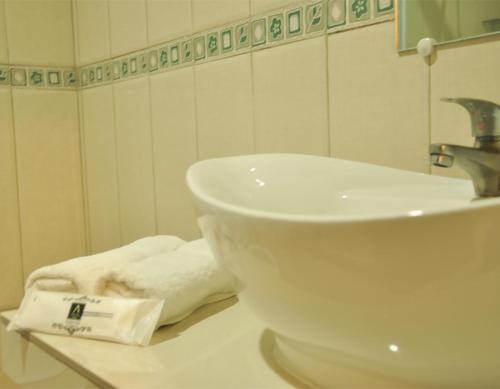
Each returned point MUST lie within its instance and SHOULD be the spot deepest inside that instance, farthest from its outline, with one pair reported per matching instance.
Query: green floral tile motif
(359, 10)
(108, 72)
(124, 68)
(163, 57)
(153, 60)
(199, 48)
(133, 65)
(294, 23)
(187, 51)
(84, 77)
(315, 17)
(258, 32)
(276, 28)
(142, 63)
(36, 77)
(99, 75)
(384, 6)
(116, 70)
(92, 76)
(54, 78)
(18, 77)
(174, 54)
(226, 40)
(4, 76)
(336, 13)
(70, 79)
(242, 36)
(212, 44)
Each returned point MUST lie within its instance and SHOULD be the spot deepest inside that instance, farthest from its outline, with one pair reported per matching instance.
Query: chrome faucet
(482, 161)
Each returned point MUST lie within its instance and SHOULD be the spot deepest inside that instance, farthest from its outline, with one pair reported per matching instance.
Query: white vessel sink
(392, 272)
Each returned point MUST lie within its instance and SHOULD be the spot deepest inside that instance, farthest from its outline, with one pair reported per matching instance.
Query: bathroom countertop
(222, 345)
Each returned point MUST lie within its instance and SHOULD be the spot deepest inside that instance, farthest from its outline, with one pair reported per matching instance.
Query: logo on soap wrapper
(76, 311)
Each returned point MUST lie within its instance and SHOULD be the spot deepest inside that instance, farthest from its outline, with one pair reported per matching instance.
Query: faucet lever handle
(485, 115)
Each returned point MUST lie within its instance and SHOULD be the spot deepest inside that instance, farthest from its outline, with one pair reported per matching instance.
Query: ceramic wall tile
(290, 86)
(210, 13)
(467, 70)
(168, 19)
(260, 6)
(92, 29)
(135, 160)
(99, 149)
(373, 117)
(11, 277)
(40, 32)
(4, 54)
(174, 150)
(298, 21)
(128, 25)
(49, 174)
(224, 107)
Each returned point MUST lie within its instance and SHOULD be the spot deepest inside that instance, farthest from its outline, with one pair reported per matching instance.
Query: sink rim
(196, 189)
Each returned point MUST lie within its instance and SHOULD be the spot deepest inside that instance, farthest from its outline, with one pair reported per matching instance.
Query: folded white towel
(186, 278)
(81, 275)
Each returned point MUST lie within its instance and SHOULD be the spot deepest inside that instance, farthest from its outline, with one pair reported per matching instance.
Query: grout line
(429, 114)
(110, 40)
(16, 164)
(18, 184)
(195, 99)
(153, 164)
(146, 16)
(83, 176)
(74, 30)
(4, 6)
(109, 31)
(117, 170)
(254, 115)
(115, 136)
(81, 139)
(83, 159)
(328, 98)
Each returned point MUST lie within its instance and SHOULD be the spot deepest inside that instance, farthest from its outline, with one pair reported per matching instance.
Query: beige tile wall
(378, 100)
(91, 31)
(168, 19)
(258, 6)
(210, 13)
(11, 271)
(348, 95)
(4, 54)
(134, 150)
(49, 176)
(41, 199)
(174, 150)
(224, 111)
(99, 141)
(127, 20)
(291, 98)
(40, 32)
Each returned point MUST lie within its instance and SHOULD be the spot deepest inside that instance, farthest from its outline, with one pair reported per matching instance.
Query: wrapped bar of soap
(122, 320)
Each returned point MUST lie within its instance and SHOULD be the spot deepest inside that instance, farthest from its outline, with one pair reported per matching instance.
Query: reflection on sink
(359, 265)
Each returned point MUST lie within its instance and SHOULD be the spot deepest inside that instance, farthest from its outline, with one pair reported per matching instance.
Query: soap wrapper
(123, 320)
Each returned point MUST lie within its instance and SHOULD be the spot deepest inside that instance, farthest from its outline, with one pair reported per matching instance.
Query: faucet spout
(481, 163)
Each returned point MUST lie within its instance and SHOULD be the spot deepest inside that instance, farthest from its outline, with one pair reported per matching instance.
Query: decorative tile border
(282, 26)
(297, 22)
(38, 77)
